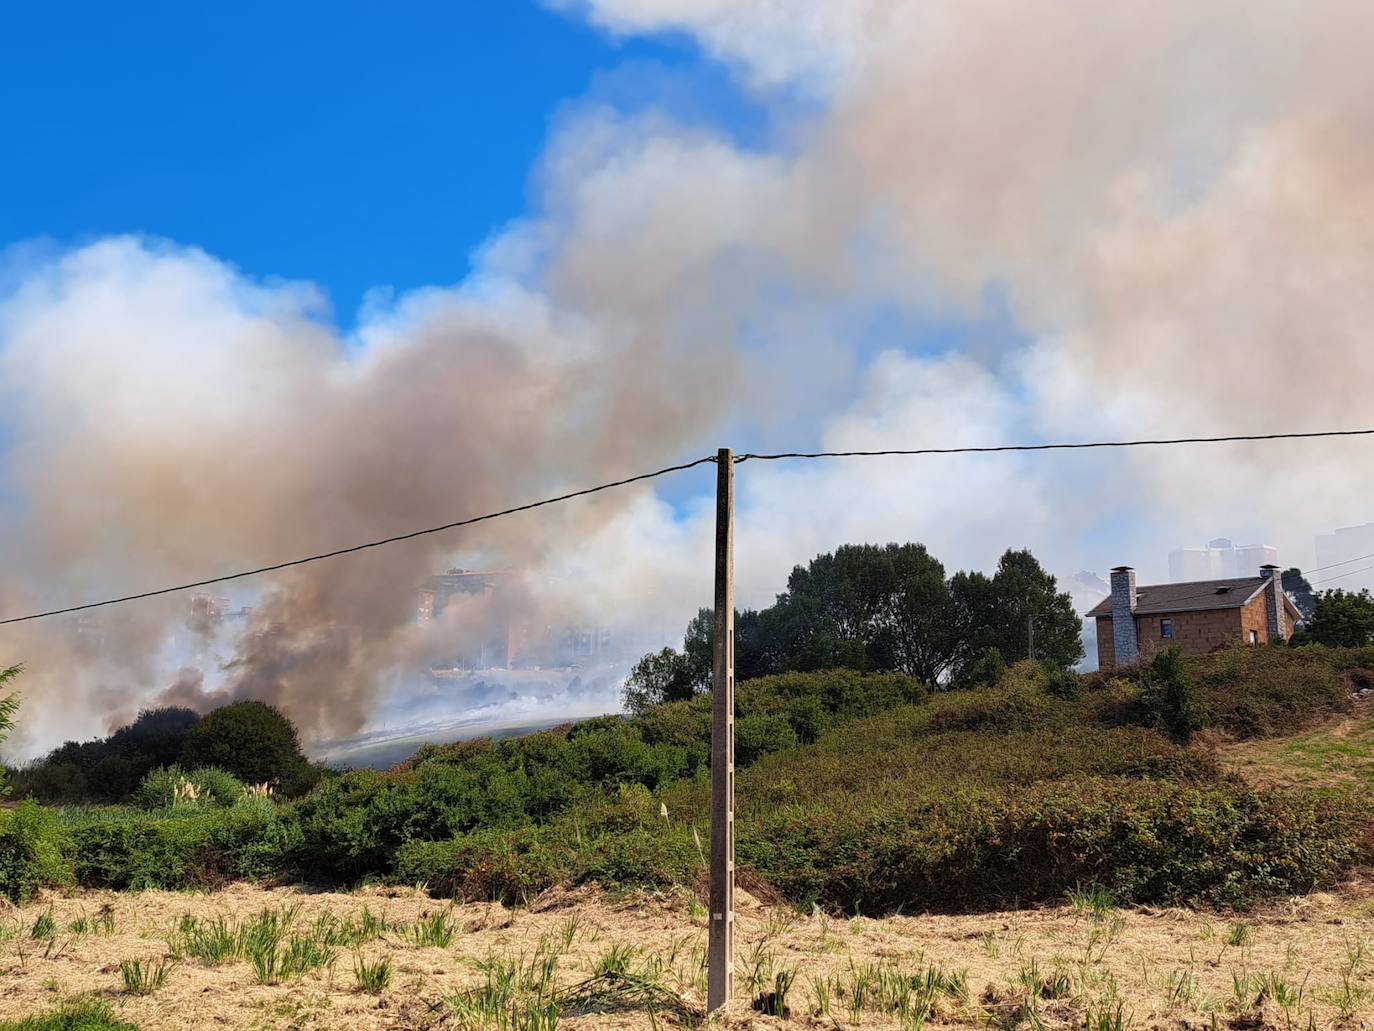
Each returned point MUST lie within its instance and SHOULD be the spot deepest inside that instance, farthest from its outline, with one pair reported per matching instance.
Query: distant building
(1220, 558)
(494, 630)
(491, 641)
(207, 609)
(439, 590)
(1351, 547)
(1136, 623)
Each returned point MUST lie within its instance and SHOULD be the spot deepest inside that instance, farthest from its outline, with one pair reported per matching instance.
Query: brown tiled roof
(1193, 596)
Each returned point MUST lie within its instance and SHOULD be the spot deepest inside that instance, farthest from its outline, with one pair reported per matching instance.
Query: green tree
(1027, 594)
(1297, 587)
(1342, 619)
(251, 740)
(870, 606)
(9, 705)
(663, 676)
(157, 734)
(698, 648)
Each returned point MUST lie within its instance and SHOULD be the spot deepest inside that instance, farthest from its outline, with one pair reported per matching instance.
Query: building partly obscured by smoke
(1349, 548)
(490, 630)
(1220, 559)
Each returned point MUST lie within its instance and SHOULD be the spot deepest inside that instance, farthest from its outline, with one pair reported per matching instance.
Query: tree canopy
(884, 608)
(1342, 619)
(1296, 586)
(251, 740)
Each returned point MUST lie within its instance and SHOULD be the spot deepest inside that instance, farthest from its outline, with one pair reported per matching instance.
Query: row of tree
(251, 740)
(1339, 619)
(879, 607)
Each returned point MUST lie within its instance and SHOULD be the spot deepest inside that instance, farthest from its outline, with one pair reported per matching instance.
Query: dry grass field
(637, 963)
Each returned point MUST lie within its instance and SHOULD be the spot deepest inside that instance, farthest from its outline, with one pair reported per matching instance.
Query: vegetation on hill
(856, 791)
(251, 740)
(879, 608)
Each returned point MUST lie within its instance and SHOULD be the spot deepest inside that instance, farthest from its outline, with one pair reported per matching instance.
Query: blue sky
(352, 144)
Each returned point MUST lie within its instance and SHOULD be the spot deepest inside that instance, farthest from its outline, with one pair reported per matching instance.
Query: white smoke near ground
(1169, 204)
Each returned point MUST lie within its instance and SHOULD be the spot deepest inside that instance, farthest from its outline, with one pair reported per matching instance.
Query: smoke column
(1138, 219)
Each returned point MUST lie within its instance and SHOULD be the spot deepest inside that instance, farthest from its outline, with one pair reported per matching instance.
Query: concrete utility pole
(1030, 636)
(721, 940)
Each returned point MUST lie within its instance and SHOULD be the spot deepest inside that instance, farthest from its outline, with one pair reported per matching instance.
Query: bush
(989, 669)
(166, 787)
(1171, 695)
(206, 847)
(1148, 842)
(648, 857)
(756, 736)
(251, 740)
(509, 866)
(1062, 683)
(158, 735)
(32, 852)
(109, 769)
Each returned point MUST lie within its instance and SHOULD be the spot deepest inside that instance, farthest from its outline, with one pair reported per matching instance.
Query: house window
(1254, 637)
(1166, 628)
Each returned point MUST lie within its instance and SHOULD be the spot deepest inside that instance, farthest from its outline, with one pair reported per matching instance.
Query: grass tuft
(373, 977)
(143, 977)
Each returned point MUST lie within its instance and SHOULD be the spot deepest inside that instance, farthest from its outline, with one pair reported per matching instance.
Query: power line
(362, 547)
(1333, 565)
(664, 472)
(1339, 576)
(1056, 447)
(1211, 591)
(1304, 572)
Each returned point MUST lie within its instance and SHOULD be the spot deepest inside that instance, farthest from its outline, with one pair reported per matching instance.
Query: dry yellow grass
(1166, 968)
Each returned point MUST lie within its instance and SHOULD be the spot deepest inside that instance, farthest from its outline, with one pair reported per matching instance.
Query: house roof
(1193, 596)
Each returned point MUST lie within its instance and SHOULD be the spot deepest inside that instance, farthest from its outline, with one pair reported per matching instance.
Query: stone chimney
(1125, 643)
(1275, 615)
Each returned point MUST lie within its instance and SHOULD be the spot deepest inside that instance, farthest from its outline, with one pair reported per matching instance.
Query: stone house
(1136, 623)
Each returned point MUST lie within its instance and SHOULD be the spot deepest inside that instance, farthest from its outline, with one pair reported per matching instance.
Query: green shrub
(1171, 695)
(503, 865)
(1062, 683)
(649, 857)
(989, 669)
(854, 790)
(251, 740)
(165, 787)
(33, 852)
(756, 736)
(199, 847)
(1148, 842)
(50, 782)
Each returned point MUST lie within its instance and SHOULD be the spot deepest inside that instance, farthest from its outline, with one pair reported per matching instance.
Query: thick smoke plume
(966, 222)
(172, 420)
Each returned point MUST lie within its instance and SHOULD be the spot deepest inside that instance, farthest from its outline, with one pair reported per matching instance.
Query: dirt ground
(1305, 964)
